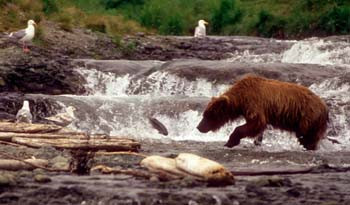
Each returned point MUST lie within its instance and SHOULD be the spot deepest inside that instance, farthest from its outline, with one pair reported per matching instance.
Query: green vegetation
(269, 25)
(267, 18)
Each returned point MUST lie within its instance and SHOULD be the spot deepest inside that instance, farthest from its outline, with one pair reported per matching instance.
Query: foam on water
(318, 51)
(337, 95)
(156, 84)
(248, 57)
(109, 88)
(105, 83)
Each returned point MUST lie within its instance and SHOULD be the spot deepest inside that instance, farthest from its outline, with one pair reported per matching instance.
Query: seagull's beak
(206, 22)
(35, 24)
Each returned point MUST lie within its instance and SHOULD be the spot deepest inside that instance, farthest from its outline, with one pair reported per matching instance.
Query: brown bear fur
(262, 101)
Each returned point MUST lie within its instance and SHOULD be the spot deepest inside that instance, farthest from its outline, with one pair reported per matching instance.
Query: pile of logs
(41, 135)
(46, 135)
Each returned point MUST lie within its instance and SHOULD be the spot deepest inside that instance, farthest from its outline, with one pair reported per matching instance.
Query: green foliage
(3, 2)
(269, 25)
(225, 15)
(298, 23)
(50, 6)
(152, 15)
(268, 18)
(113, 4)
(313, 5)
(128, 49)
(39, 37)
(336, 20)
(172, 25)
(157, 15)
(97, 26)
(66, 23)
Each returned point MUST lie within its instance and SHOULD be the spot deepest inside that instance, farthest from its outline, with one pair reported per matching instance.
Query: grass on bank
(267, 18)
(14, 14)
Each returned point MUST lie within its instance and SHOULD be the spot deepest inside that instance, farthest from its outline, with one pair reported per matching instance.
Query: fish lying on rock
(210, 170)
(162, 164)
(186, 164)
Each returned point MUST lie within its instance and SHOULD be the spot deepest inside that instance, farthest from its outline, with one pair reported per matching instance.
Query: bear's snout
(203, 127)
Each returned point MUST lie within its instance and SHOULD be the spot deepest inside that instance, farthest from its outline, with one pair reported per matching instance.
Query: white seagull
(24, 115)
(200, 30)
(25, 35)
(65, 118)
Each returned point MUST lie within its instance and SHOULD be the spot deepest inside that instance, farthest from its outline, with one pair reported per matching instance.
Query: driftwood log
(42, 135)
(95, 144)
(27, 128)
(162, 176)
(15, 165)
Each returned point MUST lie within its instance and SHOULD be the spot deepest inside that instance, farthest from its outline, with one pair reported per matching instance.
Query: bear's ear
(218, 103)
(221, 99)
(225, 98)
(217, 107)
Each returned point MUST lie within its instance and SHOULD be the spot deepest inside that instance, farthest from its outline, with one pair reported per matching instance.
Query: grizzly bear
(263, 102)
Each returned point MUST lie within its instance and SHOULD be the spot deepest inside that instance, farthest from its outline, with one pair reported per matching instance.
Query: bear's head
(218, 112)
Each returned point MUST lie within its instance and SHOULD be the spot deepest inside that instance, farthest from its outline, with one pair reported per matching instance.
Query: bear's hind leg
(251, 128)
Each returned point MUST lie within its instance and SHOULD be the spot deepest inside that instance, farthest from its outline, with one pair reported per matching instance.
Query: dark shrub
(225, 15)
(269, 25)
(50, 6)
(336, 20)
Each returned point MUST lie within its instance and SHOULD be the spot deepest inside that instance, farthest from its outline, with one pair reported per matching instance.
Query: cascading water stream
(120, 104)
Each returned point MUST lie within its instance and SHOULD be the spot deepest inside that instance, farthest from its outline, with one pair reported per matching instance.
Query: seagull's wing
(24, 115)
(18, 34)
(196, 31)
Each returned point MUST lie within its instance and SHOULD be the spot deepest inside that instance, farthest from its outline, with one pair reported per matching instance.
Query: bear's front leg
(251, 128)
(236, 136)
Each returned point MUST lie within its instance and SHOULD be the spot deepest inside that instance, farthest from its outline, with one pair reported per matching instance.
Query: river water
(124, 94)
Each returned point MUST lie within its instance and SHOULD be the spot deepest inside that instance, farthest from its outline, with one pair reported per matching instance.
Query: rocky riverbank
(327, 183)
(50, 69)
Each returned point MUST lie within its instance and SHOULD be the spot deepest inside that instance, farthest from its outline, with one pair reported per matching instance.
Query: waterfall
(318, 51)
(156, 84)
(120, 103)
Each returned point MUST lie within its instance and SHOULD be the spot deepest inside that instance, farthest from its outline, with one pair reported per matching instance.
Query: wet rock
(298, 191)
(209, 48)
(294, 192)
(192, 202)
(39, 171)
(118, 67)
(255, 190)
(41, 178)
(7, 179)
(26, 174)
(60, 162)
(274, 181)
(224, 72)
(45, 73)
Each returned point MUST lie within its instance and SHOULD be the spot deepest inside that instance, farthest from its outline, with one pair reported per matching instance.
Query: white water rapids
(119, 105)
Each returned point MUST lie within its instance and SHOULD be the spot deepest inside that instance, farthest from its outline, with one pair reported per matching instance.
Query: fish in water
(156, 124)
(24, 115)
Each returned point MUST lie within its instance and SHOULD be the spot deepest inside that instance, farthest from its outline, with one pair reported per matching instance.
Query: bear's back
(280, 102)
